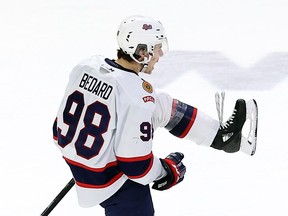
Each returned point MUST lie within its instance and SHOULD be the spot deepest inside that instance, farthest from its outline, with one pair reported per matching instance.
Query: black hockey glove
(175, 171)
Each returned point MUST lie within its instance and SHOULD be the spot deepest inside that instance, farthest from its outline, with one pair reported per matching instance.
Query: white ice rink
(236, 45)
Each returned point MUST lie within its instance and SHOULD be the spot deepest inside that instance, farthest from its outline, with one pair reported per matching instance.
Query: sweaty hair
(121, 54)
(127, 57)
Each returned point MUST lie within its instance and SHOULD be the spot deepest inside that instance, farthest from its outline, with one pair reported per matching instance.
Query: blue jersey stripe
(182, 128)
(136, 167)
(94, 177)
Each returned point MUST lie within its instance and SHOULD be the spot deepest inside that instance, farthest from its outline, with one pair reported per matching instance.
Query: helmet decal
(146, 26)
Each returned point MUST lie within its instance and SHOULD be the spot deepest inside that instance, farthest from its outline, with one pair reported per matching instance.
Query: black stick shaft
(58, 198)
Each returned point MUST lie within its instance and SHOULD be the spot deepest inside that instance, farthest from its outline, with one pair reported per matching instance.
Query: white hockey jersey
(104, 128)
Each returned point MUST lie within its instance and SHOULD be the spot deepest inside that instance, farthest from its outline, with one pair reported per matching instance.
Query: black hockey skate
(230, 136)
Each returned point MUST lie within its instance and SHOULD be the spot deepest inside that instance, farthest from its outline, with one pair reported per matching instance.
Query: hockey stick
(58, 198)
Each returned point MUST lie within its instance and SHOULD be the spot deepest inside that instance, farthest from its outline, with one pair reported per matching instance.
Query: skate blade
(249, 131)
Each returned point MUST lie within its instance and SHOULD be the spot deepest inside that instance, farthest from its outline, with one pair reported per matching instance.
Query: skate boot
(228, 137)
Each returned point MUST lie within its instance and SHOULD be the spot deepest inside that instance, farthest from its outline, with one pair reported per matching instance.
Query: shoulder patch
(148, 99)
(147, 86)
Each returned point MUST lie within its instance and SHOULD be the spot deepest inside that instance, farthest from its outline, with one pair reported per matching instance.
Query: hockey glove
(175, 171)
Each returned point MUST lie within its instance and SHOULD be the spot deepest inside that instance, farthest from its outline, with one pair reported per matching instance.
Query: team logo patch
(148, 99)
(147, 87)
(147, 26)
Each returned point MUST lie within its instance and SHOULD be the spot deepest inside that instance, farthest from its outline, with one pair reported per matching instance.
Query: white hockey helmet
(141, 32)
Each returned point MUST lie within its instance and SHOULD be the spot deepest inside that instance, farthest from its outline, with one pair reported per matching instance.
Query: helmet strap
(144, 68)
(144, 62)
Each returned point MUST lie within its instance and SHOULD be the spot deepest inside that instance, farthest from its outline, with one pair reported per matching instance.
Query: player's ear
(142, 54)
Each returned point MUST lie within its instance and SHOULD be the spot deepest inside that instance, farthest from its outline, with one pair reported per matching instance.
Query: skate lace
(220, 105)
(219, 100)
(229, 121)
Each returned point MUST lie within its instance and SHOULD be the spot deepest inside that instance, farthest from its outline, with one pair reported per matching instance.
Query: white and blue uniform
(105, 123)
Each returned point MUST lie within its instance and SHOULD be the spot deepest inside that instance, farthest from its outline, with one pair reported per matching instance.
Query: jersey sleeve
(190, 123)
(184, 121)
(134, 146)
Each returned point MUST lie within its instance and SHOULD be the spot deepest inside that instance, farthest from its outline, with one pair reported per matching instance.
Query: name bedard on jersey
(95, 86)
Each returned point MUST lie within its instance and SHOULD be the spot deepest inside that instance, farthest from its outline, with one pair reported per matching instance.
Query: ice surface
(240, 46)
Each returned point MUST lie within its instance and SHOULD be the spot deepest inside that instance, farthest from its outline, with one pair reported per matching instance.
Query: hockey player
(105, 123)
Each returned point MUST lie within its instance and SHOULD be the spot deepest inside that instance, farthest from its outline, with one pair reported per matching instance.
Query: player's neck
(134, 66)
